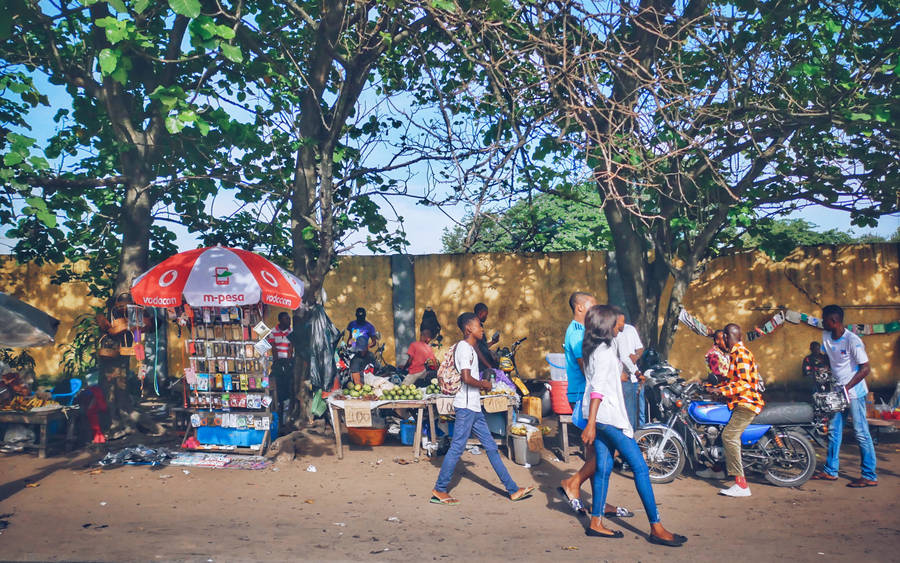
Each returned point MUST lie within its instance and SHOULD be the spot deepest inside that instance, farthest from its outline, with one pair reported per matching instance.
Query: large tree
(142, 133)
(699, 115)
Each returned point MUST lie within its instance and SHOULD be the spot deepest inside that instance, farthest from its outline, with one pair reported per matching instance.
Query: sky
(423, 225)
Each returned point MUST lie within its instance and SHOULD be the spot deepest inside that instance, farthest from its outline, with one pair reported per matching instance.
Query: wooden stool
(563, 432)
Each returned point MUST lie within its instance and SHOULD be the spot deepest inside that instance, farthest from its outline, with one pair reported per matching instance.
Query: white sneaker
(708, 473)
(735, 491)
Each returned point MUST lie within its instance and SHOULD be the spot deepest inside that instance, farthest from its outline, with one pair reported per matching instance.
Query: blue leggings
(609, 439)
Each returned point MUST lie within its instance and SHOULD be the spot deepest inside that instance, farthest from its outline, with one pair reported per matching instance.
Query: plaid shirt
(743, 383)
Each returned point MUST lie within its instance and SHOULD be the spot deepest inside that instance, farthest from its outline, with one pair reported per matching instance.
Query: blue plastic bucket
(407, 433)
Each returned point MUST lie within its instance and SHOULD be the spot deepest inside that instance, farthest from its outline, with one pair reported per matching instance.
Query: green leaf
(118, 5)
(189, 8)
(109, 59)
(447, 5)
(115, 34)
(173, 125)
(12, 158)
(224, 32)
(232, 52)
(860, 116)
(47, 218)
(203, 127)
(141, 5)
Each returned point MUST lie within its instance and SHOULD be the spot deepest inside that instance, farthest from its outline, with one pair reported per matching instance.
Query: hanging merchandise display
(794, 317)
(218, 295)
(693, 323)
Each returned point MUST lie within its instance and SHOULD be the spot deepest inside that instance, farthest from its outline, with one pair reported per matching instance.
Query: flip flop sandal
(822, 476)
(526, 494)
(449, 501)
(619, 512)
(574, 503)
(861, 483)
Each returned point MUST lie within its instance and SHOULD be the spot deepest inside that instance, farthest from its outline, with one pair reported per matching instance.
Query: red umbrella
(217, 277)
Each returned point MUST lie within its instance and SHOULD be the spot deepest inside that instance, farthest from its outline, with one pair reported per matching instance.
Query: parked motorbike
(777, 444)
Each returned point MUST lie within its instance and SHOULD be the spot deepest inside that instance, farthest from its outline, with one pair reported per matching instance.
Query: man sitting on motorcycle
(361, 337)
(743, 391)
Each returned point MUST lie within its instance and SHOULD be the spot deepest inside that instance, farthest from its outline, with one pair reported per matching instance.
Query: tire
(671, 463)
(799, 465)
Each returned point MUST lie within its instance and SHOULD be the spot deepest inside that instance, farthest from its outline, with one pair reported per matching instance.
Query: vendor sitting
(420, 357)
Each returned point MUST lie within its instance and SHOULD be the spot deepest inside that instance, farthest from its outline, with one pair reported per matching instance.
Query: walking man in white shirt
(469, 417)
(630, 348)
(850, 365)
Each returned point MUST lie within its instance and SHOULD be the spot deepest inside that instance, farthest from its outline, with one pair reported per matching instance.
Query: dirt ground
(369, 507)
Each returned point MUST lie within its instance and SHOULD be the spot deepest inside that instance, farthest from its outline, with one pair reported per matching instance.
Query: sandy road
(359, 508)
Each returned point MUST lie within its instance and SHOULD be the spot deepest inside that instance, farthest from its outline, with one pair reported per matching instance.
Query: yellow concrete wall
(31, 284)
(363, 281)
(526, 295)
(864, 279)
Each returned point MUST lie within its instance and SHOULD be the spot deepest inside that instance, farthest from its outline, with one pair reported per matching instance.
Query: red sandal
(822, 476)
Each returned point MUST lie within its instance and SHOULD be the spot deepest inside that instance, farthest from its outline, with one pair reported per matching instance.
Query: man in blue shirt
(361, 336)
(570, 488)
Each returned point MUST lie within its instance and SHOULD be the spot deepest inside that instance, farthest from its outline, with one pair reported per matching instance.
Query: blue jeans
(642, 415)
(863, 438)
(468, 422)
(633, 395)
(609, 439)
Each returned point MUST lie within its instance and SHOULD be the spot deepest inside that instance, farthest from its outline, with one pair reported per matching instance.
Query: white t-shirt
(845, 356)
(602, 371)
(468, 397)
(628, 342)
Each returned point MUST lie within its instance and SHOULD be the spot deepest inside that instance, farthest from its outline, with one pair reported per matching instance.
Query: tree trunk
(667, 331)
(135, 219)
(643, 280)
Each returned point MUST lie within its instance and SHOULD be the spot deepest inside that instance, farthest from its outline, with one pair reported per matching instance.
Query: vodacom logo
(168, 278)
(270, 279)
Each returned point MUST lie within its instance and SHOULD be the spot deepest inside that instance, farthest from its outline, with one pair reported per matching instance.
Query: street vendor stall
(357, 408)
(358, 414)
(218, 296)
(23, 326)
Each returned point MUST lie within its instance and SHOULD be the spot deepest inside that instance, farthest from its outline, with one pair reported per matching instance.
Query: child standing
(469, 417)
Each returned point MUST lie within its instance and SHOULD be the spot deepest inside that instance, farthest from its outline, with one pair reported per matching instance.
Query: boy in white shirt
(850, 365)
(469, 417)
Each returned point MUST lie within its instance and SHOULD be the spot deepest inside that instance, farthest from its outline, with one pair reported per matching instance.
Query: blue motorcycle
(777, 444)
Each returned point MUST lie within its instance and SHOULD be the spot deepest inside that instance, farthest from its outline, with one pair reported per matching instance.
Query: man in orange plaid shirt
(743, 391)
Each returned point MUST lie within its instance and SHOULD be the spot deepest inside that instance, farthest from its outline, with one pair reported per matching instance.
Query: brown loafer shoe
(862, 482)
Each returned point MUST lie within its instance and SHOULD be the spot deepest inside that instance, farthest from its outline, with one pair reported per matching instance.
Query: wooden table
(336, 407)
(43, 418)
(879, 423)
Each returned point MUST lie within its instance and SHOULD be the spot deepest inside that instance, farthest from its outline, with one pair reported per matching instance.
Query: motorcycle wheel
(792, 465)
(667, 464)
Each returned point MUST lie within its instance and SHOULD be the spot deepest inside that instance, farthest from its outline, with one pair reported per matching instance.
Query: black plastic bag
(315, 342)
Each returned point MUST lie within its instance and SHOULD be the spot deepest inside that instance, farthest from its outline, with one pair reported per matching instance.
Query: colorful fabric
(743, 386)
(718, 362)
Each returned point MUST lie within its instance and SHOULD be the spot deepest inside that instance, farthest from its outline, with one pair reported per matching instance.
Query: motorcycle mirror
(712, 379)
(496, 335)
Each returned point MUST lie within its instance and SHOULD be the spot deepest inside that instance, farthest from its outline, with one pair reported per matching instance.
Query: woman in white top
(608, 425)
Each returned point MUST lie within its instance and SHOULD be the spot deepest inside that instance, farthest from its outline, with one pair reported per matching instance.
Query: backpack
(448, 376)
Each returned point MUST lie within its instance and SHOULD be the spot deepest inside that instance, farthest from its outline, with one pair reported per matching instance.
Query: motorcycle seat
(785, 413)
